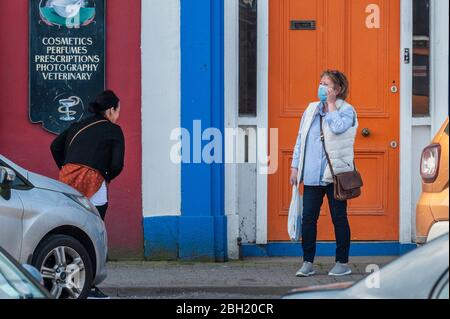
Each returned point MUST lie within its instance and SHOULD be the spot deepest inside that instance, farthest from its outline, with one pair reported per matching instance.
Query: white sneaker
(340, 270)
(307, 270)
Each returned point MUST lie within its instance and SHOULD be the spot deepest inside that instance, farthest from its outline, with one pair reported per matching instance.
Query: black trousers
(312, 202)
(102, 210)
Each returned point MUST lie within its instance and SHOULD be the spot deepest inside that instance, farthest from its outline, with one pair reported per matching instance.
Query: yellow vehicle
(432, 208)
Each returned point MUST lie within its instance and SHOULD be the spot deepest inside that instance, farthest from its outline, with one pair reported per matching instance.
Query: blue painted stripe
(161, 237)
(326, 249)
(218, 121)
(202, 99)
(196, 100)
(174, 237)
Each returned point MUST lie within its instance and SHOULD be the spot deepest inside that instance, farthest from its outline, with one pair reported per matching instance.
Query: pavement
(252, 278)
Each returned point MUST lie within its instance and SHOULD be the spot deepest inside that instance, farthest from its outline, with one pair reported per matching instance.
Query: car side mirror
(7, 177)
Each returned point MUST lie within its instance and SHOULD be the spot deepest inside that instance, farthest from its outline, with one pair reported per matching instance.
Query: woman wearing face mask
(310, 167)
(90, 154)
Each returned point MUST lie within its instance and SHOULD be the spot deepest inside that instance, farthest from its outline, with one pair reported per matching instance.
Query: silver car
(51, 226)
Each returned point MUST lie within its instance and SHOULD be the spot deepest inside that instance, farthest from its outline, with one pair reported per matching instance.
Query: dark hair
(103, 102)
(339, 79)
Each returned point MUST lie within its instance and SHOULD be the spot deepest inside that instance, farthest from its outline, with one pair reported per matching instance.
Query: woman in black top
(90, 154)
(97, 143)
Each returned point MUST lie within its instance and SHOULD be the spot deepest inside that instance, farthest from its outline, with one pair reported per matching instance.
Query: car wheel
(65, 266)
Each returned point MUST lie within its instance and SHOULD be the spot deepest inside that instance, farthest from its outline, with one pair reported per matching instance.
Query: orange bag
(84, 179)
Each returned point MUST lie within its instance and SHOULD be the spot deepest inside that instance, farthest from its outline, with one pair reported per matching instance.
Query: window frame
(430, 64)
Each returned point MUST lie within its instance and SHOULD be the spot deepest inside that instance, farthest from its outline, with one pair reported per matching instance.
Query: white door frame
(231, 96)
(439, 31)
(405, 164)
(232, 119)
(263, 119)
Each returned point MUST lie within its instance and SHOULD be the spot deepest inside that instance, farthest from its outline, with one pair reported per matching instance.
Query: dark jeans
(312, 202)
(102, 210)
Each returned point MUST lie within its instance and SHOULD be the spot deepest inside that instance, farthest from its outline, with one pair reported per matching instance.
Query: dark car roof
(412, 276)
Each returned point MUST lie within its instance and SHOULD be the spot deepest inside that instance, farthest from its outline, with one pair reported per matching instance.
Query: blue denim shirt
(315, 159)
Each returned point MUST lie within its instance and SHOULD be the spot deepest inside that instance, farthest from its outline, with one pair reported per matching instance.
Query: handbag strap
(322, 138)
(85, 128)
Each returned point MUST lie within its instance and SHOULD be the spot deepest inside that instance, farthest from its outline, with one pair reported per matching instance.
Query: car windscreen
(14, 284)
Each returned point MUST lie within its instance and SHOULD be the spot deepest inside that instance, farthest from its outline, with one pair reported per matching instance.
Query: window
(421, 58)
(248, 30)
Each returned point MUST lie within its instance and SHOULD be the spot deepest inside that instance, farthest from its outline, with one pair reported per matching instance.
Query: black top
(101, 146)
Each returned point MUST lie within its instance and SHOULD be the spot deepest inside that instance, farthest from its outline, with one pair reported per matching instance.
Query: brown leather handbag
(346, 185)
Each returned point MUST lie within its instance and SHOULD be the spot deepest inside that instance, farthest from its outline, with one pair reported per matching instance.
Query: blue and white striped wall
(182, 57)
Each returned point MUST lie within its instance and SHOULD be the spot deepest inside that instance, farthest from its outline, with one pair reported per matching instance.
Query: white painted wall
(439, 63)
(405, 215)
(247, 202)
(161, 73)
(421, 138)
(262, 119)
(231, 59)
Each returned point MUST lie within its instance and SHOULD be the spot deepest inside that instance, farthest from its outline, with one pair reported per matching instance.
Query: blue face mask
(323, 93)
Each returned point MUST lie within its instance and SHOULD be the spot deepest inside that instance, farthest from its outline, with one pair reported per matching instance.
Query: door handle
(365, 132)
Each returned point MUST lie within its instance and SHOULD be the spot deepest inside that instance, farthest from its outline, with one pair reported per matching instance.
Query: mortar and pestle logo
(65, 108)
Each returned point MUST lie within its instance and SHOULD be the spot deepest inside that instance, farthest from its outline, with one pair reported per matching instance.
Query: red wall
(28, 144)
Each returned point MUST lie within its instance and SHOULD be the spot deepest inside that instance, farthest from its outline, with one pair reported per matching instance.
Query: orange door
(370, 59)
